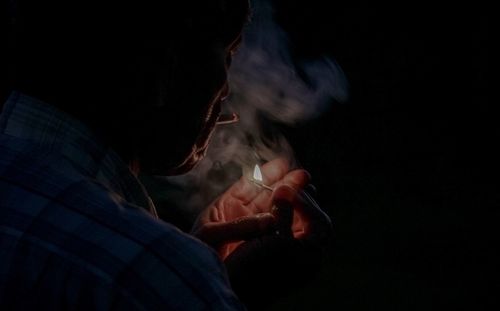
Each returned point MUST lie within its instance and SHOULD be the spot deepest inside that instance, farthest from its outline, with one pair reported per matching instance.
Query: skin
(200, 84)
(245, 211)
(200, 147)
(156, 100)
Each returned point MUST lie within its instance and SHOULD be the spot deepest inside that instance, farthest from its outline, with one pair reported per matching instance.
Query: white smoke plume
(265, 87)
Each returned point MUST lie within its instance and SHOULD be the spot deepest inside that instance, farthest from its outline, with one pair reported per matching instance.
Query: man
(103, 91)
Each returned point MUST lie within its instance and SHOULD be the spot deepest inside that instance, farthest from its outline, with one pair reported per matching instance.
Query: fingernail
(284, 193)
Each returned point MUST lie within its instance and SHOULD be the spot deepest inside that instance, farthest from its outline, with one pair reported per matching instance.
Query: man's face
(182, 122)
(216, 86)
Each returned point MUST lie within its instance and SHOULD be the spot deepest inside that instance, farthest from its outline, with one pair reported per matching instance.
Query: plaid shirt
(78, 231)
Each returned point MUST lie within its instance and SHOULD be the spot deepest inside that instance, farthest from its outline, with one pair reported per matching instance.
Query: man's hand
(266, 234)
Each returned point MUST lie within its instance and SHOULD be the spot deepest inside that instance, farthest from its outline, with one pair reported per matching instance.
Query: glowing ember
(257, 175)
(257, 179)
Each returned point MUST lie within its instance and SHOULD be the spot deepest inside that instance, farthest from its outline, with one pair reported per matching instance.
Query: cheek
(187, 108)
(167, 143)
(209, 69)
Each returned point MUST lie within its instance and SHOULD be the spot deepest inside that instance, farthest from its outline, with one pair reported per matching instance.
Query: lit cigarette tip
(257, 174)
(257, 179)
(225, 119)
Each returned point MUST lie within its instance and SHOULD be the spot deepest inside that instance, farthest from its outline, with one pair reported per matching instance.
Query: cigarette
(262, 185)
(225, 119)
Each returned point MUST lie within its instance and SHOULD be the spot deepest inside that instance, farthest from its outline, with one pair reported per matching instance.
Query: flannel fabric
(79, 232)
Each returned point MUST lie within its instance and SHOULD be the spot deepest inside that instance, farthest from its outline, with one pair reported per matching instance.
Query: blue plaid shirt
(78, 231)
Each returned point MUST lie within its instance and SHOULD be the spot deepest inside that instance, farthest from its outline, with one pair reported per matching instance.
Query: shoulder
(181, 271)
(152, 261)
(155, 262)
(88, 228)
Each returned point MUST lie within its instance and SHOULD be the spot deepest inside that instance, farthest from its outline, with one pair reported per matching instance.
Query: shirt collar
(30, 119)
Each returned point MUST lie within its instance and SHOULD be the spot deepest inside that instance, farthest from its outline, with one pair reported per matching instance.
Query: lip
(225, 119)
(209, 126)
(202, 142)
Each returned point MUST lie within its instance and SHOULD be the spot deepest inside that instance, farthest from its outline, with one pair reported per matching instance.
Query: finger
(316, 223)
(283, 202)
(231, 208)
(272, 172)
(296, 179)
(243, 228)
(275, 170)
(313, 222)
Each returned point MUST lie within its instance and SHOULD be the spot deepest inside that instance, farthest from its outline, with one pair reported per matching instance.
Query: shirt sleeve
(173, 271)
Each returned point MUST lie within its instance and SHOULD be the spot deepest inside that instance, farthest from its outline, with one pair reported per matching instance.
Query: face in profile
(212, 92)
(184, 118)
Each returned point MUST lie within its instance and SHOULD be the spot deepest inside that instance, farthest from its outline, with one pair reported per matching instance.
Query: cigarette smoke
(266, 88)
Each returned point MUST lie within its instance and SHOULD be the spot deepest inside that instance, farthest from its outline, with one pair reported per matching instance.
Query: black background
(403, 166)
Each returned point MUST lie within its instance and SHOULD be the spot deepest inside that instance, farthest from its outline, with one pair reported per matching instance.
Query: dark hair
(101, 39)
(97, 59)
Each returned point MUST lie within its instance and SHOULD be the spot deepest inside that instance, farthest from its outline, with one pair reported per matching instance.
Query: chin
(192, 157)
(159, 164)
(195, 157)
(198, 151)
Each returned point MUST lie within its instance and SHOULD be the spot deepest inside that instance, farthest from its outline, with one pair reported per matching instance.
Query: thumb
(283, 201)
(243, 228)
